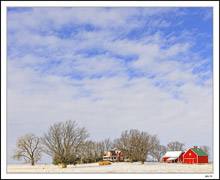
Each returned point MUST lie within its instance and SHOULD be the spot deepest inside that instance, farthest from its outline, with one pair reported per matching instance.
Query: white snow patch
(122, 167)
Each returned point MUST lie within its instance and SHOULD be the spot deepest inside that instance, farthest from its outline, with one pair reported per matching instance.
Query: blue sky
(144, 68)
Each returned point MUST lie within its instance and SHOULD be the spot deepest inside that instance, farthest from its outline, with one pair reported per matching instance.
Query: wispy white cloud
(207, 13)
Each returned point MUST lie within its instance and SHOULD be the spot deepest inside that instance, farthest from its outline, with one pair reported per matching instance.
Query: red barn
(173, 157)
(195, 155)
(114, 155)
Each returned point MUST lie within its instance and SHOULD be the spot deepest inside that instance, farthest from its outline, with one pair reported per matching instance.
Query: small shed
(173, 156)
(195, 155)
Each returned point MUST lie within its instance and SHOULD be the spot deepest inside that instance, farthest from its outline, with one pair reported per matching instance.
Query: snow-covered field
(122, 167)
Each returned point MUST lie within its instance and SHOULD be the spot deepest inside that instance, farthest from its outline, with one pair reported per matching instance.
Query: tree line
(66, 142)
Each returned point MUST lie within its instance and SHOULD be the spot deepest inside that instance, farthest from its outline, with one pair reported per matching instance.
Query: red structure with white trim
(173, 157)
(195, 155)
(114, 155)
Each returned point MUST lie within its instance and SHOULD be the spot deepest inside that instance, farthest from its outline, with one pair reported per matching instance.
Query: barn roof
(173, 154)
(199, 152)
(112, 151)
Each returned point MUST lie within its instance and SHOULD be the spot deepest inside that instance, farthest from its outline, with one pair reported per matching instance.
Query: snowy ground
(122, 167)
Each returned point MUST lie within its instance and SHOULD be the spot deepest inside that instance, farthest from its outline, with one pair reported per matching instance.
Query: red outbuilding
(173, 157)
(195, 155)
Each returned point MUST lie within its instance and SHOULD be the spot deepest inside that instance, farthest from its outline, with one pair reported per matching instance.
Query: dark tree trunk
(32, 162)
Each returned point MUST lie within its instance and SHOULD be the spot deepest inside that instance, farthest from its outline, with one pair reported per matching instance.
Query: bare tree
(125, 144)
(145, 144)
(158, 152)
(93, 151)
(88, 151)
(107, 144)
(100, 150)
(64, 140)
(175, 146)
(28, 148)
(136, 145)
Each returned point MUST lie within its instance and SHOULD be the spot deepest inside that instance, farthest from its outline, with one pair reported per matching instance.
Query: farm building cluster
(193, 155)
